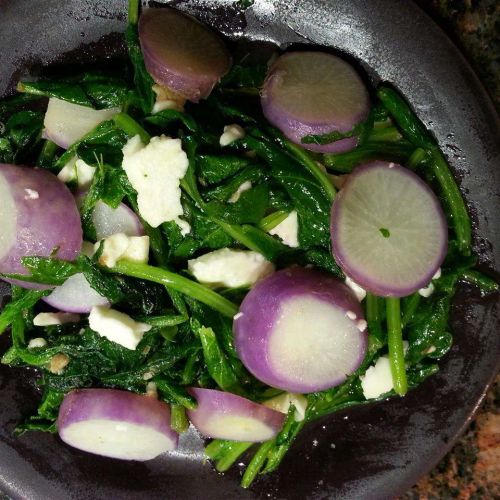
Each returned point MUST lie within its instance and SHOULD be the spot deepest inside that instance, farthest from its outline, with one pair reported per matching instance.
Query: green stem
(388, 134)
(454, 200)
(416, 158)
(177, 282)
(233, 451)
(485, 283)
(373, 317)
(215, 449)
(272, 220)
(410, 305)
(131, 127)
(133, 11)
(47, 153)
(257, 462)
(178, 420)
(314, 169)
(395, 342)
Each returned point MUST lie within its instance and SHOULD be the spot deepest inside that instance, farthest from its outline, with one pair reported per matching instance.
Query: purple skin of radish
(40, 215)
(318, 304)
(117, 424)
(222, 415)
(380, 284)
(182, 54)
(295, 125)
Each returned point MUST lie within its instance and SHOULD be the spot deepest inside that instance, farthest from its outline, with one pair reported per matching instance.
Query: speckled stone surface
(472, 469)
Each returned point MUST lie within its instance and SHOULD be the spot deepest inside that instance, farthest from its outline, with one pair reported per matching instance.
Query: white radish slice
(314, 93)
(116, 424)
(75, 295)
(222, 415)
(108, 221)
(39, 215)
(65, 122)
(301, 331)
(181, 53)
(389, 232)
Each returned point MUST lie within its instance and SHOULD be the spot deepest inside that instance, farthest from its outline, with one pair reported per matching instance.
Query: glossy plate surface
(376, 451)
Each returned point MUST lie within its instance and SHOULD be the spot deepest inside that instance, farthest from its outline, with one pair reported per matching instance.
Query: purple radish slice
(108, 221)
(300, 330)
(65, 122)
(314, 93)
(75, 295)
(389, 232)
(222, 415)
(117, 424)
(181, 53)
(39, 215)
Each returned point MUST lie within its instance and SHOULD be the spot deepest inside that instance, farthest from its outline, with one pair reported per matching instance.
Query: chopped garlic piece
(282, 403)
(79, 171)
(167, 99)
(37, 342)
(358, 291)
(58, 363)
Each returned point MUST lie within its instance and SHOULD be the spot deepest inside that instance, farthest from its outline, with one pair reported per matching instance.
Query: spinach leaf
(217, 168)
(21, 135)
(167, 117)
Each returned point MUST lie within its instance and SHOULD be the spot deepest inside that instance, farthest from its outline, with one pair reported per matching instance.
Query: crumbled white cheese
(236, 195)
(51, 318)
(351, 315)
(79, 171)
(37, 342)
(430, 349)
(117, 326)
(282, 403)
(230, 268)
(31, 194)
(377, 379)
(288, 230)
(429, 289)
(358, 291)
(120, 246)
(231, 133)
(361, 324)
(155, 172)
(167, 99)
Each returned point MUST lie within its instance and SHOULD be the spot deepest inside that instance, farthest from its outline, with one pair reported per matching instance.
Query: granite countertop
(472, 468)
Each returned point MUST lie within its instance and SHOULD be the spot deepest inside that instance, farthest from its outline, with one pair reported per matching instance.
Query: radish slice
(314, 93)
(301, 331)
(116, 424)
(222, 415)
(39, 215)
(181, 53)
(65, 122)
(75, 295)
(108, 221)
(389, 232)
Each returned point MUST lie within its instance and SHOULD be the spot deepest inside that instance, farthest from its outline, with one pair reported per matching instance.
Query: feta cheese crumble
(37, 343)
(288, 230)
(52, 318)
(358, 291)
(230, 268)
(120, 246)
(117, 326)
(155, 172)
(282, 403)
(377, 379)
(31, 194)
(231, 133)
(236, 195)
(79, 171)
(429, 289)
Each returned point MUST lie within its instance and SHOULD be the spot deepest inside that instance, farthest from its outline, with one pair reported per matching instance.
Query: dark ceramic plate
(376, 451)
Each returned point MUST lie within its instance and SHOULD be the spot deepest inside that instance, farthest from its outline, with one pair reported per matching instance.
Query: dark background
(472, 468)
